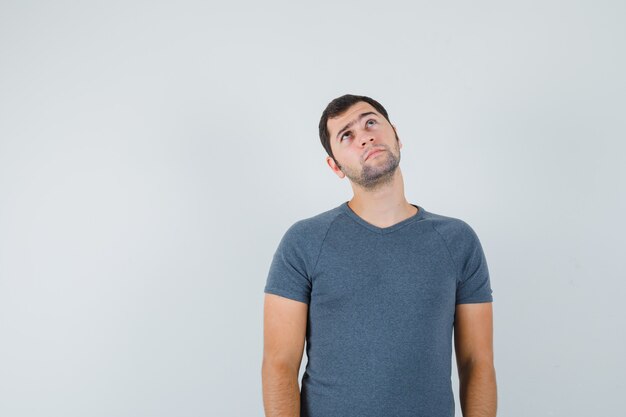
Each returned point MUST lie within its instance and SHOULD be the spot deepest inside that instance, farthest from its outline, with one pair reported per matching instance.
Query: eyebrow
(349, 125)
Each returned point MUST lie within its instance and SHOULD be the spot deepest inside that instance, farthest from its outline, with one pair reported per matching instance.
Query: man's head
(350, 128)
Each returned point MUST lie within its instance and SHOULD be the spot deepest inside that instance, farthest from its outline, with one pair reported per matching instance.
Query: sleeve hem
(287, 294)
(475, 300)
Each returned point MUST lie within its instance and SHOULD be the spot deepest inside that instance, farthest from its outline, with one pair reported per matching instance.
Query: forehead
(348, 116)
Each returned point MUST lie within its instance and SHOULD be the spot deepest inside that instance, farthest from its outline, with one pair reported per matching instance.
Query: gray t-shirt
(381, 309)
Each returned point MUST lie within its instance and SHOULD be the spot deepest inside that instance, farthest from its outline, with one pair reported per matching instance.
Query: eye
(374, 121)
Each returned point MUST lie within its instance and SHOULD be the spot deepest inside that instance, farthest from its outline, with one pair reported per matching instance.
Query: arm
(473, 341)
(284, 331)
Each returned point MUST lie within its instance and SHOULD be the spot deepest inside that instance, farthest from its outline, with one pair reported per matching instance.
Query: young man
(376, 287)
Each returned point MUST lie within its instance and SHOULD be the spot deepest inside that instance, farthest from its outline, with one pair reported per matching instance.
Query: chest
(407, 274)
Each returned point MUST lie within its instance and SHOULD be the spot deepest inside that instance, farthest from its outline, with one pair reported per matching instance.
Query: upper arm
(284, 331)
(473, 333)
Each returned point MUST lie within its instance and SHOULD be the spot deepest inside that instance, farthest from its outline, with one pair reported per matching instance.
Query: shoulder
(465, 249)
(451, 229)
(461, 240)
(315, 224)
(307, 234)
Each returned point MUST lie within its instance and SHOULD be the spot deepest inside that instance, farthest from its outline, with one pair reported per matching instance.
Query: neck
(385, 205)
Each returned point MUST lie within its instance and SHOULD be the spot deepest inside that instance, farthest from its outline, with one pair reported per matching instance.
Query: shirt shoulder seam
(445, 242)
(322, 245)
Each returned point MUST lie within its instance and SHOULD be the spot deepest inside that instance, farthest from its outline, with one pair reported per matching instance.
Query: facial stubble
(375, 175)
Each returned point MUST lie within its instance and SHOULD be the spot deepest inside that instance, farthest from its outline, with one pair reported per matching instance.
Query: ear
(396, 132)
(331, 163)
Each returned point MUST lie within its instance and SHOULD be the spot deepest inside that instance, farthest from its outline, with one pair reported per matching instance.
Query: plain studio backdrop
(152, 154)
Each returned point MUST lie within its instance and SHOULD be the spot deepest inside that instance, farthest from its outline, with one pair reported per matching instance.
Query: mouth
(373, 153)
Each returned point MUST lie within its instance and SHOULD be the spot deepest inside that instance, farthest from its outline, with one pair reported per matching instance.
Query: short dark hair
(336, 108)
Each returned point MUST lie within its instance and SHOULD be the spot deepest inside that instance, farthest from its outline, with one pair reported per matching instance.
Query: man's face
(353, 135)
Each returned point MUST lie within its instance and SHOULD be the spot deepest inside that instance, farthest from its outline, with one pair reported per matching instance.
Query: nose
(365, 139)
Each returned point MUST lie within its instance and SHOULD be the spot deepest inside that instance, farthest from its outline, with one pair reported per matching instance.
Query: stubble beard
(375, 176)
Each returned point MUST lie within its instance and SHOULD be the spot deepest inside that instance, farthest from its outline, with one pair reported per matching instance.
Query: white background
(152, 154)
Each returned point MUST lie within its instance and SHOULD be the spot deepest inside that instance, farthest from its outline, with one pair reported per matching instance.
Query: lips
(373, 152)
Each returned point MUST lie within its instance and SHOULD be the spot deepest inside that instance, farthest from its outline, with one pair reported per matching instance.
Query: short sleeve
(288, 275)
(474, 284)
